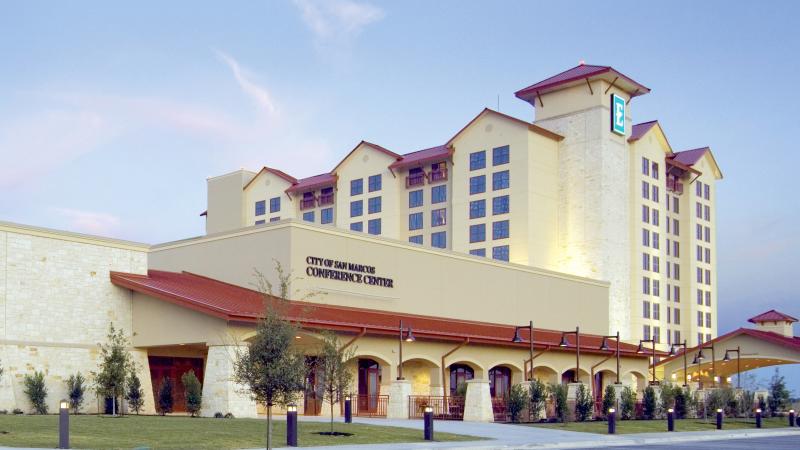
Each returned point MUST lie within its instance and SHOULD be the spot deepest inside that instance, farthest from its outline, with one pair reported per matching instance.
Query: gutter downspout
(444, 381)
(595, 366)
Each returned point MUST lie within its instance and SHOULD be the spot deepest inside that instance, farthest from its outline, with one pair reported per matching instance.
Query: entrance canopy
(771, 343)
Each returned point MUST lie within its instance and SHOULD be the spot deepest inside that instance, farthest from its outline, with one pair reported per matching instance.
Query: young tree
(517, 401)
(649, 403)
(135, 393)
(778, 394)
(36, 391)
(538, 397)
(272, 368)
(336, 378)
(559, 393)
(583, 403)
(627, 403)
(165, 399)
(609, 400)
(193, 392)
(75, 390)
(116, 363)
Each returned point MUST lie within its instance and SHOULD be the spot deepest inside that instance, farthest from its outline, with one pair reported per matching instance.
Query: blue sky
(113, 115)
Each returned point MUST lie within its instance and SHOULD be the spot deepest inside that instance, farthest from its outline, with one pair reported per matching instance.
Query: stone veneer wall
(594, 216)
(56, 302)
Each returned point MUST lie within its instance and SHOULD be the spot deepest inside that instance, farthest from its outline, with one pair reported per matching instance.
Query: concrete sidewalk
(506, 436)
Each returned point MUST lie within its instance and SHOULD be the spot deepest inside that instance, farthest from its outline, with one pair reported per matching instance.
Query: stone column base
(478, 402)
(398, 399)
(220, 392)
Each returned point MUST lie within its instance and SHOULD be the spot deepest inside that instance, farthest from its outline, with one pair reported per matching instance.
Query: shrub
(559, 393)
(17, 411)
(193, 391)
(627, 403)
(538, 397)
(218, 415)
(229, 416)
(165, 400)
(649, 403)
(680, 405)
(3, 412)
(135, 393)
(36, 391)
(609, 400)
(583, 403)
(75, 390)
(778, 398)
(517, 401)
(668, 393)
(746, 404)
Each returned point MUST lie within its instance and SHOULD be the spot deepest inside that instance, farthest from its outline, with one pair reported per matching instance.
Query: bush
(135, 393)
(461, 390)
(36, 391)
(165, 400)
(17, 411)
(746, 404)
(680, 405)
(583, 403)
(627, 403)
(75, 390)
(229, 416)
(668, 393)
(193, 392)
(3, 412)
(649, 403)
(778, 398)
(609, 400)
(538, 398)
(559, 393)
(218, 415)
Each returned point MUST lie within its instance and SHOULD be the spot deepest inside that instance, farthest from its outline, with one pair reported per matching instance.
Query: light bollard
(670, 419)
(612, 421)
(791, 418)
(719, 419)
(348, 410)
(63, 424)
(758, 418)
(291, 425)
(428, 420)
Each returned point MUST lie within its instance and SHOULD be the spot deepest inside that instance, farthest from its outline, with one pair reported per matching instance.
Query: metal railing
(417, 179)
(326, 199)
(370, 405)
(500, 409)
(437, 175)
(444, 408)
(307, 203)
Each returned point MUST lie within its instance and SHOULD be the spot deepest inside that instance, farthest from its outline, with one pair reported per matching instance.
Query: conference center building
(579, 222)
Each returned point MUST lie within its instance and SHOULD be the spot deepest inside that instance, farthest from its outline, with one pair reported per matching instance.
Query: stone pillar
(143, 366)
(618, 388)
(478, 402)
(220, 392)
(572, 390)
(398, 399)
(436, 387)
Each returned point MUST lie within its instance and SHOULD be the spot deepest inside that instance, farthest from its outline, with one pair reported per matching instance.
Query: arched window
(459, 373)
(499, 381)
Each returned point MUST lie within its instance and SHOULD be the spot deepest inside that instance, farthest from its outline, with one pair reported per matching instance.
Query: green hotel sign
(617, 114)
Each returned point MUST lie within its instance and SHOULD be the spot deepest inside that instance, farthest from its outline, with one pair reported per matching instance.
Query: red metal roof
(421, 157)
(639, 130)
(772, 316)
(575, 74)
(690, 157)
(768, 336)
(311, 183)
(276, 172)
(235, 303)
(532, 127)
(369, 144)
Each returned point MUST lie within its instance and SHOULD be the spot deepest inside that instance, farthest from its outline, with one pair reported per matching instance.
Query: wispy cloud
(258, 93)
(91, 222)
(338, 19)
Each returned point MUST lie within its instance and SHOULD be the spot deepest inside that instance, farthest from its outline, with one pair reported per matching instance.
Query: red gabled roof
(638, 130)
(690, 157)
(578, 74)
(421, 157)
(276, 172)
(772, 316)
(532, 127)
(768, 336)
(311, 183)
(235, 303)
(377, 147)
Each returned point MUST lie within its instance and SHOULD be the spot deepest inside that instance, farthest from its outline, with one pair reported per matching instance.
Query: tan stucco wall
(56, 303)
(426, 281)
(226, 202)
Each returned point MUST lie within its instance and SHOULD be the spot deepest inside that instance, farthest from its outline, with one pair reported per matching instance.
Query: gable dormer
(774, 322)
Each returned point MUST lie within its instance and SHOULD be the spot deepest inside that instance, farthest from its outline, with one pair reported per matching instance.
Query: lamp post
(291, 425)
(699, 357)
(348, 409)
(727, 358)
(685, 366)
(408, 336)
(63, 424)
(604, 347)
(518, 339)
(641, 350)
(428, 420)
(564, 343)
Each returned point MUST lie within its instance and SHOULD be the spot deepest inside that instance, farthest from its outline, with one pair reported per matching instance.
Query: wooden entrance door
(369, 385)
(313, 389)
(173, 368)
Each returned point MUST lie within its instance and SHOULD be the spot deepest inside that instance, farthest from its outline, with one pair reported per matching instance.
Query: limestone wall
(56, 303)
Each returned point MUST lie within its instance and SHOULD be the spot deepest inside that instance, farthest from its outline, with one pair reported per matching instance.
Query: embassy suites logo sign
(345, 271)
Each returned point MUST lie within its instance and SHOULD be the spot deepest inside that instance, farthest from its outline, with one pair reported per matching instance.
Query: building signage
(617, 114)
(345, 271)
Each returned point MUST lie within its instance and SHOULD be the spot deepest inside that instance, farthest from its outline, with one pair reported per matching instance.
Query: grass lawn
(186, 432)
(655, 426)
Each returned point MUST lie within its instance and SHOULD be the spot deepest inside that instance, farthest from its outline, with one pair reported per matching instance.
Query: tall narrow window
(415, 198)
(415, 221)
(274, 204)
(326, 216)
(645, 166)
(439, 194)
(261, 207)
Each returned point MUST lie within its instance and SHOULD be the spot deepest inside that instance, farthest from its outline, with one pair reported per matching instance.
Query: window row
(500, 180)
(656, 287)
(673, 293)
(702, 233)
(703, 295)
(374, 206)
(649, 192)
(673, 248)
(646, 263)
(673, 270)
(326, 216)
(649, 168)
(651, 216)
(438, 239)
(700, 317)
(438, 218)
(500, 155)
(655, 335)
(700, 338)
(500, 252)
(702, 190)
(373, 226)
(703, 211)
(652, 310)
(673, 205)
(271, 219)
(500, 205)
(650, 239)
(703, 254)
(700, 273)
(500, 230)
(274, 206)
(674, 228)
